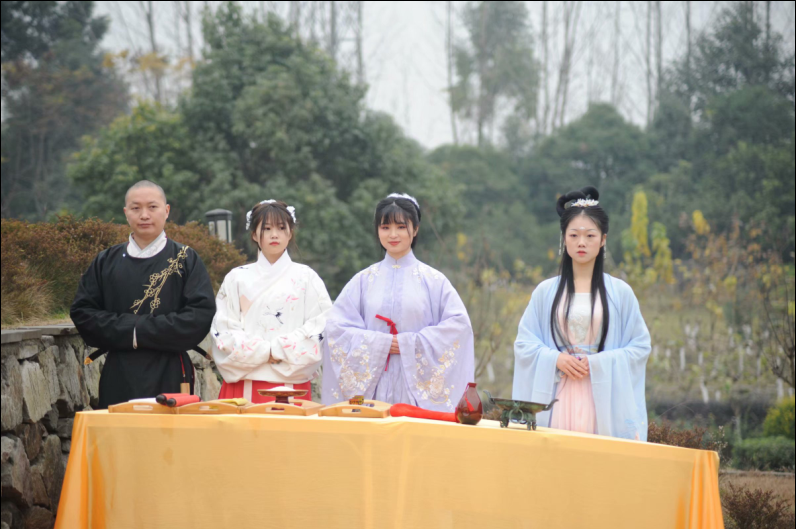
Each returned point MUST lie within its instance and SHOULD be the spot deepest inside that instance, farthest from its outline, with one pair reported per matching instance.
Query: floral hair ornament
(290, 209)
(583, 203)
(407, 197)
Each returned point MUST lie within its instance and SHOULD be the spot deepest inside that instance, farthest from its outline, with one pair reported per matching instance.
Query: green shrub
(780, 420)
(42, 262)
(765, 453)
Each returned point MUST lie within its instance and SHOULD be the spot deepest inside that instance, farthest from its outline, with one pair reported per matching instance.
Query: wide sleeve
(299, 351)
(439, 360)
(618, 375)
(235, 352)
(534, 361)
(98, 327)
(353, 357)
(186, 327)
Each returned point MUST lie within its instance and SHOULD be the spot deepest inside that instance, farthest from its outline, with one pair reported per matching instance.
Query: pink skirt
(575, 409)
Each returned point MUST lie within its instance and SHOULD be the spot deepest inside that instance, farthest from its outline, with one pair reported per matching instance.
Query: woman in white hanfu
(398, 332)
(270, 314)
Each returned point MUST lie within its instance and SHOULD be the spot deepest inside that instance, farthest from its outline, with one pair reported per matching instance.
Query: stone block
(65, 428)
(198, 384)
(50, 421)
(66, 445)
(15, 473)
(28, 349)
(11, 389)
(39, 518)
(211, 387)
(17, 335)
(35, 392)
(91, 375)
(50, 467)
(40, 496)
(10, 516)
(198, 360)
(73, 395)
(30, 436)
(47, 359)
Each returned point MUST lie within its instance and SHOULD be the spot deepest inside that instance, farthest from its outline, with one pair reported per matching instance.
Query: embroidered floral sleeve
(438, 360)
(354, 357)
(235, 352)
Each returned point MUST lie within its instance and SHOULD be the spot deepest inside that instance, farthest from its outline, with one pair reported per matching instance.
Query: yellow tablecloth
(236, 471)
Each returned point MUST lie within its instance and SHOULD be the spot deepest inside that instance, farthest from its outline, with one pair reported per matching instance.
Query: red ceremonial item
(407, 410)
(393, 331)
(176, 399)
(470, 409)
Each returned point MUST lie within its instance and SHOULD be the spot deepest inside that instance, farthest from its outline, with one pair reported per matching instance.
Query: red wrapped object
(407, 410)
(393, 331)
(173, 400)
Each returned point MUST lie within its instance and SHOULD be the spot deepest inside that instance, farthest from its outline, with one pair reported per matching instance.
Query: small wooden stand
(296, 407)
(141, 407)
(208, 408)
(379, 410)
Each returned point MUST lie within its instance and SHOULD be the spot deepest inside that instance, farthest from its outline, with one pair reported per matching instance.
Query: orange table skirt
(174, 471)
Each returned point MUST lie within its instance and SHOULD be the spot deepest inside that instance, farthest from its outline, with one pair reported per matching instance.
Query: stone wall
(44, 383)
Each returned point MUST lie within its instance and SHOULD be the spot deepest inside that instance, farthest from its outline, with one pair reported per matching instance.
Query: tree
(270, 116)
(151, 143)
(55, 90)
(571, 15)
(599, 149)
(498, 224)
(496, 66)
(737, 53)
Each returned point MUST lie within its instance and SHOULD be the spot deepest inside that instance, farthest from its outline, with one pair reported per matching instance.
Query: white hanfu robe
(435, 338)
(269, 311)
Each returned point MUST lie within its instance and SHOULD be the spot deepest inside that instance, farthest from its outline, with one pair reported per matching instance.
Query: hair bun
(591, 192)
(586, 192)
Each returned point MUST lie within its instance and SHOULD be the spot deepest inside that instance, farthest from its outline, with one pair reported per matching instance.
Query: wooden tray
(208, 408)
(380, 410)
(306, 408)
(141, 407)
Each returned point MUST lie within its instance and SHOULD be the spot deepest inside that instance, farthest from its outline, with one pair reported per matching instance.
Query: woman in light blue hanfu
(398, 332)
(582, 339)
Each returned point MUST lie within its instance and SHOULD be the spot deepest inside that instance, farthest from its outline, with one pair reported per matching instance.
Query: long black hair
(396, 210)
(566, 282)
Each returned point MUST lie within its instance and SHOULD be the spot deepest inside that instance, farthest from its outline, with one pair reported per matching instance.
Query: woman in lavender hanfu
(398, 332)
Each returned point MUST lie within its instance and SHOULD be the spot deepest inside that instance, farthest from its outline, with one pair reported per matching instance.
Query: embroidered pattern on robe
(156, 282)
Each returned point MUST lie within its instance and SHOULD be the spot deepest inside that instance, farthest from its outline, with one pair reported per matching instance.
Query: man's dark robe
(167, 298)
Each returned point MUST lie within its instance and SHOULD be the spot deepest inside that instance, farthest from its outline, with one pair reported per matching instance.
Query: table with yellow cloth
(234, 471)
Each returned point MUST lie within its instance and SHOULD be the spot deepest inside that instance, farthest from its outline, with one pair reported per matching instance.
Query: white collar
(264, 264)
(151, 249)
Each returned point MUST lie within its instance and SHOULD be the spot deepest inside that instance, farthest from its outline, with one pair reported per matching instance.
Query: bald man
(146, 302)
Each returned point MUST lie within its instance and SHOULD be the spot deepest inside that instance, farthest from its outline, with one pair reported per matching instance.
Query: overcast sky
(405, 61)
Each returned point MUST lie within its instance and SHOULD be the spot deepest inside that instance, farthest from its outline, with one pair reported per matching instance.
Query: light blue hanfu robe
(434, 335)
(617, 373)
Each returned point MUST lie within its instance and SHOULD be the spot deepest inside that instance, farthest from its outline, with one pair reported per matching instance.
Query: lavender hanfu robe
(617, 373)
(435, 338)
